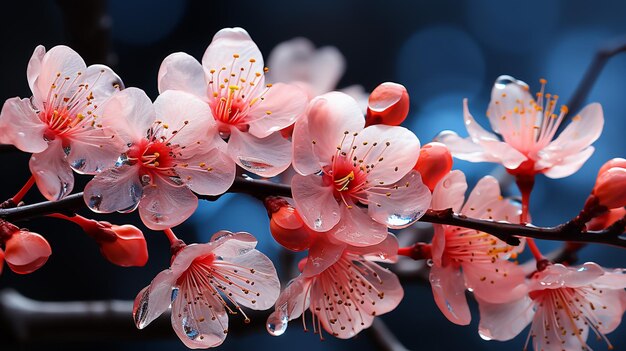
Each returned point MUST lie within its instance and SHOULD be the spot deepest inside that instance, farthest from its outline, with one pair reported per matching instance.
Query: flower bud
(1, 260)
(287, 226)
(434, 163)
(129, 249)
(610, 188)
(606, 219)
(612, 163)
(25, 252)
(388, 104)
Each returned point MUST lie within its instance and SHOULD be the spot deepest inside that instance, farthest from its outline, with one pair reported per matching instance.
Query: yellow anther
(233, 87)
(543, 81)
(235, 55)
(165, 125)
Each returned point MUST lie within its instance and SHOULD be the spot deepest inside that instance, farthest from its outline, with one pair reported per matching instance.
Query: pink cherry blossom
(170, 150)
(343, 288)
(203, 282)
(468, 259)
(563, 304)
(248, 112)
(316, 71)
(528, 128)
(58, 123)
(352, 180)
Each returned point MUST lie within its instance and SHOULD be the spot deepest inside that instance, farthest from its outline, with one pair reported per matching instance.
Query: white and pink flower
(248, 112)
(564, 303)
(342, 286)
(168, 149)
(528, 128)
(59, 124)
(203, 282)
(468, 259)
(354, 182)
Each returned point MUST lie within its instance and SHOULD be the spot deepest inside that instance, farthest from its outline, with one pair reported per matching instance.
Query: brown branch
(261, 188)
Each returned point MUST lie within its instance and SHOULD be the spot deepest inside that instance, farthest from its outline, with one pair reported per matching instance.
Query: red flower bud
(1, 260)
(610, 188)
(388, 104)
(25, 252)
(434, 163)
(608, 218)
(612, 163)
(129, 249)
(287, 226)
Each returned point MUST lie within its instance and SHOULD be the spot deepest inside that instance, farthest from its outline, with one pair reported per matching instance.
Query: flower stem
(417, 251)
(525, 184)
(171, 236)
(20, 194)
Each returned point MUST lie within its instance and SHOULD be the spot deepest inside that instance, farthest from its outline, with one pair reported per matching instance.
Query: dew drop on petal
(146, 179)
(399, 220)
(277, 323)
(122, 160)
(94, 202)
(190, 330)
(430, 262)
(483, 336)
(174, 294)
(78, 164)
(67, 150)
(255, 164)
(141, 310)
(317, 223)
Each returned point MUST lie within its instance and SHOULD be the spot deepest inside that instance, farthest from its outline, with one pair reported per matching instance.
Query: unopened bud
(388, 104)
(129, 248)
(606, 219)
(287, 226)
(610, 188)
(612, 163)
(434, 163)
(25, 252)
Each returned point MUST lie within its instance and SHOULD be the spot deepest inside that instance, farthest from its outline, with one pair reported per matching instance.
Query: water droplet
(177, 180)
(146, 179)
(191, 332)
(397, 220)
(483, 335)
(318, 223)
(503, 81)
(122, 160)
(254, 164)
(140, 311)
(21, 134)
(94, 202)
(277, 323)
(64, 189)
(78, 164)
(430, 262)
(66, 150)
(174, 293)
(447, 183)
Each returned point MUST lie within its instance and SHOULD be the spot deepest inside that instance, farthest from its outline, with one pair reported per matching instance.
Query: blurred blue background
(442, 51)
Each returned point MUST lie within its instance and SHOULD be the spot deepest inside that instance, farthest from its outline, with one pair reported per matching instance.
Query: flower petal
(568, 165)
(21, 126)
(464, 148)
(292, 302)
(233, 41)
(280, 107)
(504, 321)
(165, 204)
(199, 324)
(582, 131)
(34, 66)
(484, 193)
(450, 192)
(390, 151)
(100, 82)
(266, 157)
(93, 151)
(305, 160)
(115, 189)
(52, 173)
(180, 71)
(498, 282)
(401, 204)
(209, 173)
(154, 299)
(507, 94)
(315, 202)
(129, 113)
(57, 64)
(449, 292)
(357, 228)
(255, 283)
(228, 244)
(385, 251)
(322, 254)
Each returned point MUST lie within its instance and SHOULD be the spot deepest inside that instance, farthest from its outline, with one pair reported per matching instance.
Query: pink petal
(506, 154)
(21, 126)
(154, 299)
(291, 303)
(387, 291)
(298, 60)
(569, 338)
(129, 113)
(568, 165)
(58, 63)
(322, 254)
(449, 292)
(34, 66)
(209, 173)
(228, 244)
(464, 148)
(357, 228)
(234, 41)
(285, 103)
(180, 71)
(358, 93)
(187, 255)
(26, 252)
(101, 82)
(392, 150)
(400, 205)
(315, 202)
(450, 192)
(557, 275)
(52, 173)
(331, 116)
(385, 251)
(305, 160)
(609, 318)
(266, 157)
(498, 282)
(476, 132)
(115, 189)
(256, 274)
(582, 131)
(438, 244)
(188, 119)
(504, 321)
(484, 193)
(165, 204)
(199, 324)
(93, 151)
(506, 95)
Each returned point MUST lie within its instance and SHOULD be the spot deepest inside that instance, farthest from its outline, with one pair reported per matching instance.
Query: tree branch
(261, 188)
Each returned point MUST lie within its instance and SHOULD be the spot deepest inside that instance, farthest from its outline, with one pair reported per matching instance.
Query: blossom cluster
(356, 177)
